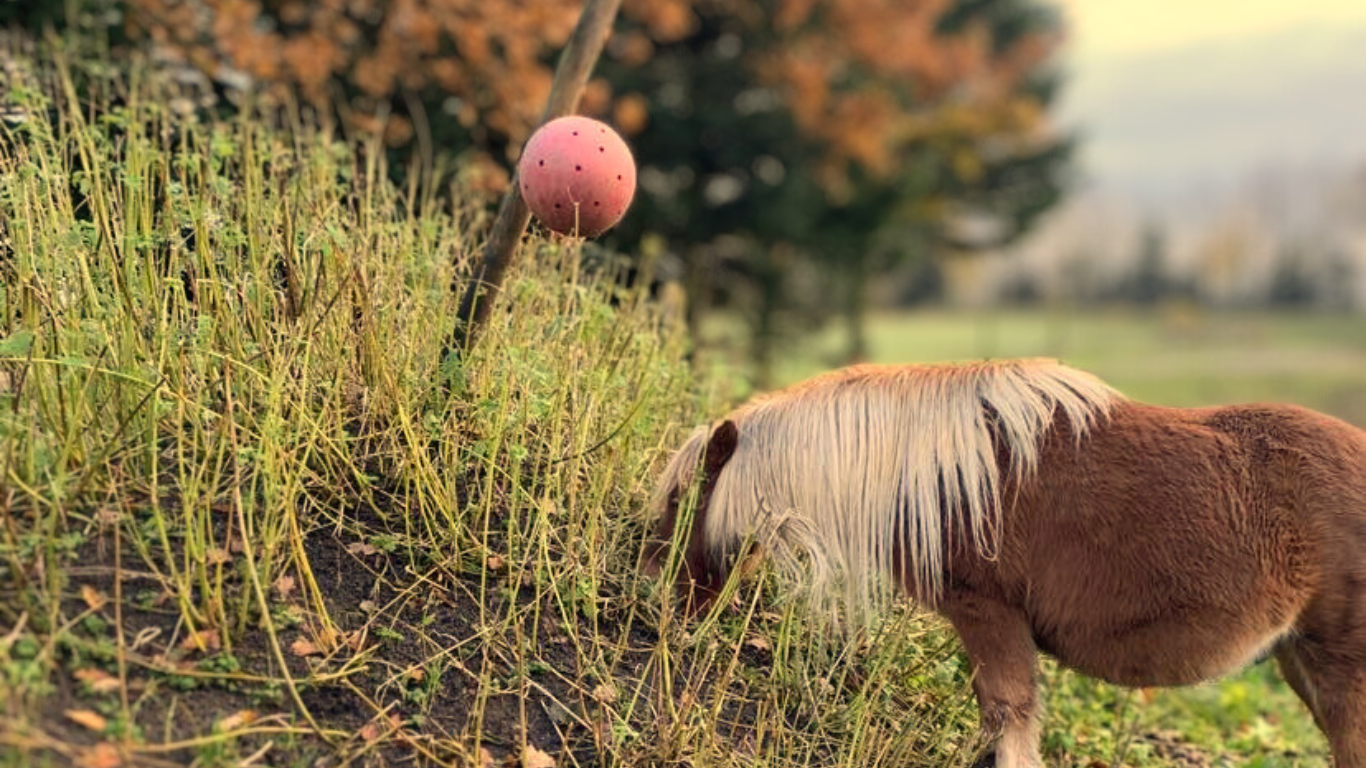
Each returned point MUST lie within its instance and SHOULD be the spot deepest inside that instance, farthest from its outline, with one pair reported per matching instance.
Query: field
(1173, 356)
(253, 513)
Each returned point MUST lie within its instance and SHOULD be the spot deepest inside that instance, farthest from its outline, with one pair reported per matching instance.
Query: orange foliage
(860, 76)
(491, 54)
(907, 76)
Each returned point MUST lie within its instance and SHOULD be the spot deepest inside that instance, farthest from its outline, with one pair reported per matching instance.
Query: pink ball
(577, 175)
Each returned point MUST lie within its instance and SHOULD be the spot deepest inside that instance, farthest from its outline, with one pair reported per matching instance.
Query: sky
(1176, 97)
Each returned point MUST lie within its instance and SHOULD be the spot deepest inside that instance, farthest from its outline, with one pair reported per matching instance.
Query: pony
(1037, 509)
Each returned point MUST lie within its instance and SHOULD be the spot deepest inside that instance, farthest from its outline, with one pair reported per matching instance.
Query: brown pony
(1039, 510)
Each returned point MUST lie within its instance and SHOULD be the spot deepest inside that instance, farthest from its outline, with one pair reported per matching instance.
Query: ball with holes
(577, 176)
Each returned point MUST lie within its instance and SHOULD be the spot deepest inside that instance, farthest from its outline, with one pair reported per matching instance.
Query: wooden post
(571, 74)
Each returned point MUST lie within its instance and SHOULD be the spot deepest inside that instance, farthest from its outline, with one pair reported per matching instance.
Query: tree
(858, 134)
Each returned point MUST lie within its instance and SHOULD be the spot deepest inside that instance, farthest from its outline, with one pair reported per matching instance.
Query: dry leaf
(416, 674)
(217, 556)
(92, 720)
(204, 640)
(284, 585)
(93, 597)
(361, 548)
(759, 643)
(303, 647)
(486, 758)
(605, 693)
(102, 755)
(328, 637)
(237, 720)
(98, 680)
(494, 562)
(535, 758)
(370, 731)
(368, 606)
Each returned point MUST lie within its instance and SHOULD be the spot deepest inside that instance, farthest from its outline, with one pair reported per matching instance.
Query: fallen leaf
(368, 606)
(328, 637)
(486, 758)
(93, 598)
(535, 758)
(369, 731)
(92, 720)
(217, 556)
(204, 640)
(284, 585)
(604, 693)
(98, 680)
(102, 755)
(494, 562)
(416, 674)
(303, 647)
(237, 720)
(759, 643)
(361, 548)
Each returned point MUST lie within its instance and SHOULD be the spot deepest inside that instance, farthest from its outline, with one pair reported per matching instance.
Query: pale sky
(1174, 94)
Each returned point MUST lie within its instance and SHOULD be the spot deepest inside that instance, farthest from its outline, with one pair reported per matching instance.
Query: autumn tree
(859, 134)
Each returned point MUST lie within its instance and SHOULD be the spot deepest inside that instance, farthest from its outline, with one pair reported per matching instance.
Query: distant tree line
(1303, 273)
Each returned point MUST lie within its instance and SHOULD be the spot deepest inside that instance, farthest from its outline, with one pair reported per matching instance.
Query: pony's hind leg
(1000, 648)
(1293, 669)
(1341, 696)
(1334, 690)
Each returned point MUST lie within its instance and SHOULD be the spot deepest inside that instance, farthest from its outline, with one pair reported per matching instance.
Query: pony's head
(680, 502)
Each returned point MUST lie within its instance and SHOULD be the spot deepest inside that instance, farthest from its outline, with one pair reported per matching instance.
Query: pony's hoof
(986, 761)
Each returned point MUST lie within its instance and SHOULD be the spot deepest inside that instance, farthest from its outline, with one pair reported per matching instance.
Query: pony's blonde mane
(836, 466)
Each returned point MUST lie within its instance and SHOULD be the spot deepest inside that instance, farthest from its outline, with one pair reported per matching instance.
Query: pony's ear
(720, 447)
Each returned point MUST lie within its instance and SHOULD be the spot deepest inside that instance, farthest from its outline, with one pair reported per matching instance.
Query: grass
(251, 516)
(1174, 355)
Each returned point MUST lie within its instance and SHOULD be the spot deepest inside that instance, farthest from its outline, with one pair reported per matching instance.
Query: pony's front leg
(1001, 650)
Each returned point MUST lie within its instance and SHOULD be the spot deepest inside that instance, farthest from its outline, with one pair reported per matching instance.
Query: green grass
(1174, 355)
(250, 513)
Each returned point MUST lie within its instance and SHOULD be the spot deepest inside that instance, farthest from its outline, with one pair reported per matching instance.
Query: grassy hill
(252, 516)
